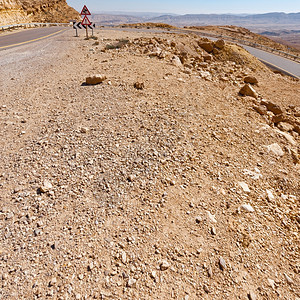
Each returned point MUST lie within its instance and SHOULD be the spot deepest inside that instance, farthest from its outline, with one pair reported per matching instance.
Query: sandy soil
(174, 191)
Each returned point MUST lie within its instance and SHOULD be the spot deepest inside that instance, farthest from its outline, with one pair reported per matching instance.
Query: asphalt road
(287, 66)
(27, 36)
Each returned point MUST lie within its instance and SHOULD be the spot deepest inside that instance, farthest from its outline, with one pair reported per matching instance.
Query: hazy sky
(190, 6)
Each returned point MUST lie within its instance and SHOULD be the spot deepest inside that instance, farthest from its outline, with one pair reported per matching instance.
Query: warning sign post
(86, 22)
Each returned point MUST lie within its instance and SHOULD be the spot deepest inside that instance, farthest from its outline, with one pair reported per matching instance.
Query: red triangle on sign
(85, 11)
(86, 21)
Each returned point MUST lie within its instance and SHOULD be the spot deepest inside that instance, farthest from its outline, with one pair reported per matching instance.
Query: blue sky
(190, 6)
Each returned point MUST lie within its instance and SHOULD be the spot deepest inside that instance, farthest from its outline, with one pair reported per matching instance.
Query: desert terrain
(160, 182)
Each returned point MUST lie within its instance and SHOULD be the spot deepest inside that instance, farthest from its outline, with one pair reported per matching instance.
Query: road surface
(27, 36)
(287, 66)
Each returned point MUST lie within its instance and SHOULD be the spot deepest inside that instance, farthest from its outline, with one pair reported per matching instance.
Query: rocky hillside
(23, 11)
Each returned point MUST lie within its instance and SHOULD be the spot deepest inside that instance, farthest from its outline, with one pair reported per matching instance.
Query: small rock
(9, 215)
(53, 281)
(210, 272)
(84, 129)
(248, 90)
(153, 274)
(46, 186)
(78, 297)
(251, 296)
(284, 126)
(206, 289)
(176, 61)
(37, 232)
(198, 220)
(220, 44)
(131, 282)
(222, 263)
(213, 231)
(80, 276)
(96, 79)
(288, 137)
(247, 208)
(211, 217)
(250, 79)
(262, 110)
(288, 279)
(280, 118)
(139, 85)
(274, 108)
(295, 156)
(270, 195)
(91, 266)
(207, 57)
(271, 283)
(276, 149)
(130, 178)
(124, 257)
(164, 265)
(244, 186)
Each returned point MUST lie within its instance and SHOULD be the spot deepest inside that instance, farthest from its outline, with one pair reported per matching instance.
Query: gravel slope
(109, 192)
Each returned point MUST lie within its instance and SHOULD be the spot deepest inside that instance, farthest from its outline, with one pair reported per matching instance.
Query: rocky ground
(162, 182)
(287, 42)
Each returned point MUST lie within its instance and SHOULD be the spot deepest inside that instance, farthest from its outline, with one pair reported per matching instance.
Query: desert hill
(176, 177)
(26, 11)
(225, 19)
(262, 20)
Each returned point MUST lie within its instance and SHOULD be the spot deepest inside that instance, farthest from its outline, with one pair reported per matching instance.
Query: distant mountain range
(276, 18)
(214, 19)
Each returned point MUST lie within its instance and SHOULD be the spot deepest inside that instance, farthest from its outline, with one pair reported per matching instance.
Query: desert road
(285, 65)
(31, 35)
(27, 36)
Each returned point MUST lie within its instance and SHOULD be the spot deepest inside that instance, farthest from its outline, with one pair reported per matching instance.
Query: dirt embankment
(162, 182)
(45, 11)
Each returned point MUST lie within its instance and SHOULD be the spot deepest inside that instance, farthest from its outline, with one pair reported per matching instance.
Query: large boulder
(220, 44)
(250, 79)
(207, 46)
(248, 90)
(95, 79)
(274, 108)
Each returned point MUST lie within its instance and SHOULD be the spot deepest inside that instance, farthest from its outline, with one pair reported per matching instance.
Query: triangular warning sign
(85, 11)
(86, 21)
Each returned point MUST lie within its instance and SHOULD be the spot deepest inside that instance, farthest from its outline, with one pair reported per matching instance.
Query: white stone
(288, 279)
(124, 257)
(271, 283)
(247, 208)
(164, 265)
(211, 217)
(270, 195)
(244, 186)
(253, 174)
(46, 186)
(288, 137)
(131, 282)
(176, 61)
(276, 149)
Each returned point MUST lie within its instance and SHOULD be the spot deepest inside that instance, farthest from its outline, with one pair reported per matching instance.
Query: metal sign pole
(87, 34)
